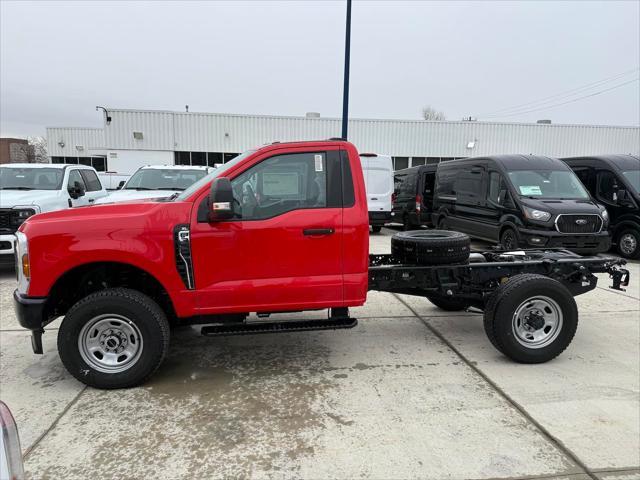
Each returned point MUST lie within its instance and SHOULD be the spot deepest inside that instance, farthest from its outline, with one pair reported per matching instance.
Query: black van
(520, 201)
(614, 180)
(413, 196)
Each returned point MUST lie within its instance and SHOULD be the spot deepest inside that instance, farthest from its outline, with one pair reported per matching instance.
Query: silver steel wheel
(110, 343)
(537, 322)
(628, 243)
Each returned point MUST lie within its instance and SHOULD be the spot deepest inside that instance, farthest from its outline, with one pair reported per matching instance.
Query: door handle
(318, 231)
(91, 200)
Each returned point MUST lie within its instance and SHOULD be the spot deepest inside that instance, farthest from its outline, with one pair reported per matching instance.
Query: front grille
(5, 221)
(579, 223)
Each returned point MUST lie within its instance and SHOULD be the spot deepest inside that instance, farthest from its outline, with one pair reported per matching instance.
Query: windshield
(163, 179)
(633, 177)
(12, 178)
(558, 184)
(217, 172)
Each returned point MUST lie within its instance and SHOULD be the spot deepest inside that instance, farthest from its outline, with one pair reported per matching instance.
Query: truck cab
(31, 188)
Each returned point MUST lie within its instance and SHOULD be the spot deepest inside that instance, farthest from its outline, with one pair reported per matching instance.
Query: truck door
(283, 249)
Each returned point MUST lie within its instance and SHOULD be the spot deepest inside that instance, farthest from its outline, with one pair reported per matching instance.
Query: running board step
(277, 327)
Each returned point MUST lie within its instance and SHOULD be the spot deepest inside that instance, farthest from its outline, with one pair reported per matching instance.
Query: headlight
(604, 213)
(23, 266)
(534, 214)
(20, 214)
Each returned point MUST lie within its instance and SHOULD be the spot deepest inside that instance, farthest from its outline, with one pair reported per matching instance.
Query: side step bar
(278, 327)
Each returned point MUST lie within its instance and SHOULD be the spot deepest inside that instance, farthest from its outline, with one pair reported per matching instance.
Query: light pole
(345, 91)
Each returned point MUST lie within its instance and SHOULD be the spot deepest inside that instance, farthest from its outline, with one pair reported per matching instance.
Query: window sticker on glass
(318, 159)
(280, 184)
(530, 190)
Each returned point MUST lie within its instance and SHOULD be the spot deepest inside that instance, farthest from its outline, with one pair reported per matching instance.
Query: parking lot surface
(411, 392)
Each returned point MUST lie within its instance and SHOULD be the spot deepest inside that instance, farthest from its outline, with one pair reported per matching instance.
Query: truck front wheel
(531, 318)
(114, 338)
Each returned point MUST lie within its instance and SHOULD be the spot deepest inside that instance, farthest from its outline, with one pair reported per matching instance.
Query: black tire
(625, 242)
(376, 228)
(499, 322)
(509, 239)
(132, 310)
(430, 247)
(448, 304)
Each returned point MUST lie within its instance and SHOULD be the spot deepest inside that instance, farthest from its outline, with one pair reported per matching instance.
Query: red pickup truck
(281, 228)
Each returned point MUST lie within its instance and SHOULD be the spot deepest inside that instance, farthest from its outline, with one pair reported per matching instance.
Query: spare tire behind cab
(430, 247)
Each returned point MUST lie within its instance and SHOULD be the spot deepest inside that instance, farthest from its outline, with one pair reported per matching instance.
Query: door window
(607, 187)
(91, 180)
(281, 184)
(74, 176)
(496, 185)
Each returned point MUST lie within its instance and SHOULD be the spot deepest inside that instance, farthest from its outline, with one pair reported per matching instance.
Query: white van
(378, 180)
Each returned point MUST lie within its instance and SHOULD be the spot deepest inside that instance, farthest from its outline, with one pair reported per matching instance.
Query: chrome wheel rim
(110, 343)
(537, 322)
(628, 243)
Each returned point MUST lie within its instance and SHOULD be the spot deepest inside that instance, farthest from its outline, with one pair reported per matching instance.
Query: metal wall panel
(208, 132)
(87, 138)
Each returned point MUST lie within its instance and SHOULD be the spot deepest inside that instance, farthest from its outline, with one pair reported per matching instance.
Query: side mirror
(220, 200)
(77, 190)
(120, 185)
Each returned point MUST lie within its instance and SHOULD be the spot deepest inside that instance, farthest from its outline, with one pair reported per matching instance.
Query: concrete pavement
(412, 392)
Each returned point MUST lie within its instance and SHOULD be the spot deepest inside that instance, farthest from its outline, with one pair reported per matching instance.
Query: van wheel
(509, 239)
(629, 244)
(531, 318)
(376, 228)
(430, 247)
(443, 225)
(448, 304)
(114, 338)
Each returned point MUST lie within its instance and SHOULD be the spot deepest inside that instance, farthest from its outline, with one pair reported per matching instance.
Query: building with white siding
(131, 138)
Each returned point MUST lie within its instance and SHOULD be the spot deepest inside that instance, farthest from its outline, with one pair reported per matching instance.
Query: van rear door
(378, 177)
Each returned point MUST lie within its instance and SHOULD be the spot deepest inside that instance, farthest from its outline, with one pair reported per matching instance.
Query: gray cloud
(59, 60)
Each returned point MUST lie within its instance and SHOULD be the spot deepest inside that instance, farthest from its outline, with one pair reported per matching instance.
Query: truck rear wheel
(430, 247)
(531, 318)
(114, 338)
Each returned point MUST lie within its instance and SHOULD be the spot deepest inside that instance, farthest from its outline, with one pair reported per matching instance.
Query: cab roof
(175, 167)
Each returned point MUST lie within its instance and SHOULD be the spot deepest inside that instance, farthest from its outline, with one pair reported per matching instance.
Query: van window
(468, 185)
(558, 184)
(496, 185)
(281, 184)
(607, 187)
(409, 184)
(445, 179)
(397, 182)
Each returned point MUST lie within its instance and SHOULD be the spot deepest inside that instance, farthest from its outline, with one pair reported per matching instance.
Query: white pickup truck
(157, 181)
(30, 188)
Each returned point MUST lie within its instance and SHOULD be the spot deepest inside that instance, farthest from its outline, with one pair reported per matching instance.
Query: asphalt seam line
(545, 433)
(54, 424)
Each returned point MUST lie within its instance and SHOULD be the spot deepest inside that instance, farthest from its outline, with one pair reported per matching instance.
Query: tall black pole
(345, 91)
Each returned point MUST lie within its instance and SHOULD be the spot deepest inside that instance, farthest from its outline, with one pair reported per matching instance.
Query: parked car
(157, 181)
(113, 180)
(284, 228)
(520, 201)
(614, 180)
(31, 188)
(413, 196)
(378, 181)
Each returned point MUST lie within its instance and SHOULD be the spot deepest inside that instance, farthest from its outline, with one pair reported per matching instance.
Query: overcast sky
(59, 60)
